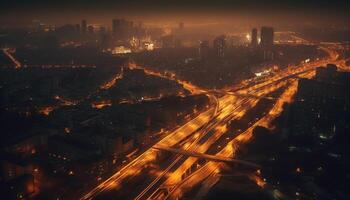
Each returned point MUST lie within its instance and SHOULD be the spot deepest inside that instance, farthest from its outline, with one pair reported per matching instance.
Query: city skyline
(162, 100)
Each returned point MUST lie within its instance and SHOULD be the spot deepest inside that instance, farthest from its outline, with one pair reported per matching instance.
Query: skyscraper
(83, 26)
(204, 49)
(266, 37)
(219, 44)
(266, 43)
(254, 38)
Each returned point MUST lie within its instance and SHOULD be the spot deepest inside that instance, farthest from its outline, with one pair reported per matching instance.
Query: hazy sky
(174, 3)
(61, 11)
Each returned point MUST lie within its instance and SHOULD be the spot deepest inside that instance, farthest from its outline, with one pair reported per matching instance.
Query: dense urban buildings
(140, 100)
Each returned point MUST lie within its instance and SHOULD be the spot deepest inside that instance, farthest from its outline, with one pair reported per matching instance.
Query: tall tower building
(254, 38)
(266, 43)
(204, 50)
(266, 37)
(219, 45)
(83, 26)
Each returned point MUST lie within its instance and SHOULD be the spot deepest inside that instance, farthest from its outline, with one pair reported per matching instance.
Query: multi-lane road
(15, 62)
(172, 176)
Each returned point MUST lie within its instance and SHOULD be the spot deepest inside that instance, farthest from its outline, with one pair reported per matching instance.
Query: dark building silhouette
(326, 74)
(266, 42)
(321, 107)
(204, 49)
(83, 26)
(266, 36)
(254, 38)
(219, 45)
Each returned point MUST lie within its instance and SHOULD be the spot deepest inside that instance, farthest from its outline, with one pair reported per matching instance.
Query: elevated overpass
(206, 156)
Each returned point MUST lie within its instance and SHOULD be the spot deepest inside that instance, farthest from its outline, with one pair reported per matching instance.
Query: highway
(208, 174)
(214, 158)
(180, 172)
(16, 63)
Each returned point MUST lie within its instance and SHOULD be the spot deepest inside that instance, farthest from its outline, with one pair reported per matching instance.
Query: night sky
(171, 4)
(13, 11)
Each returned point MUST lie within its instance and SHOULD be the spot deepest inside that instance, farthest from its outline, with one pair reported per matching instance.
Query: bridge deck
(207, 156)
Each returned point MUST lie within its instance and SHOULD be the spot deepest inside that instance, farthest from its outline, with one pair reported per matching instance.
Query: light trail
(230, 149)
(12, 58)
(145, 158)
(112, 82)
(176, 177)
(187, 85)
(306, 71)
(231, 108)
(208, 127)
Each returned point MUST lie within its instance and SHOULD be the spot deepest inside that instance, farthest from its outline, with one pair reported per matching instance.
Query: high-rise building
(254, 38)
(266, 42)
(266, 37)
(219, 45)
(204, 50)
(83, 26)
